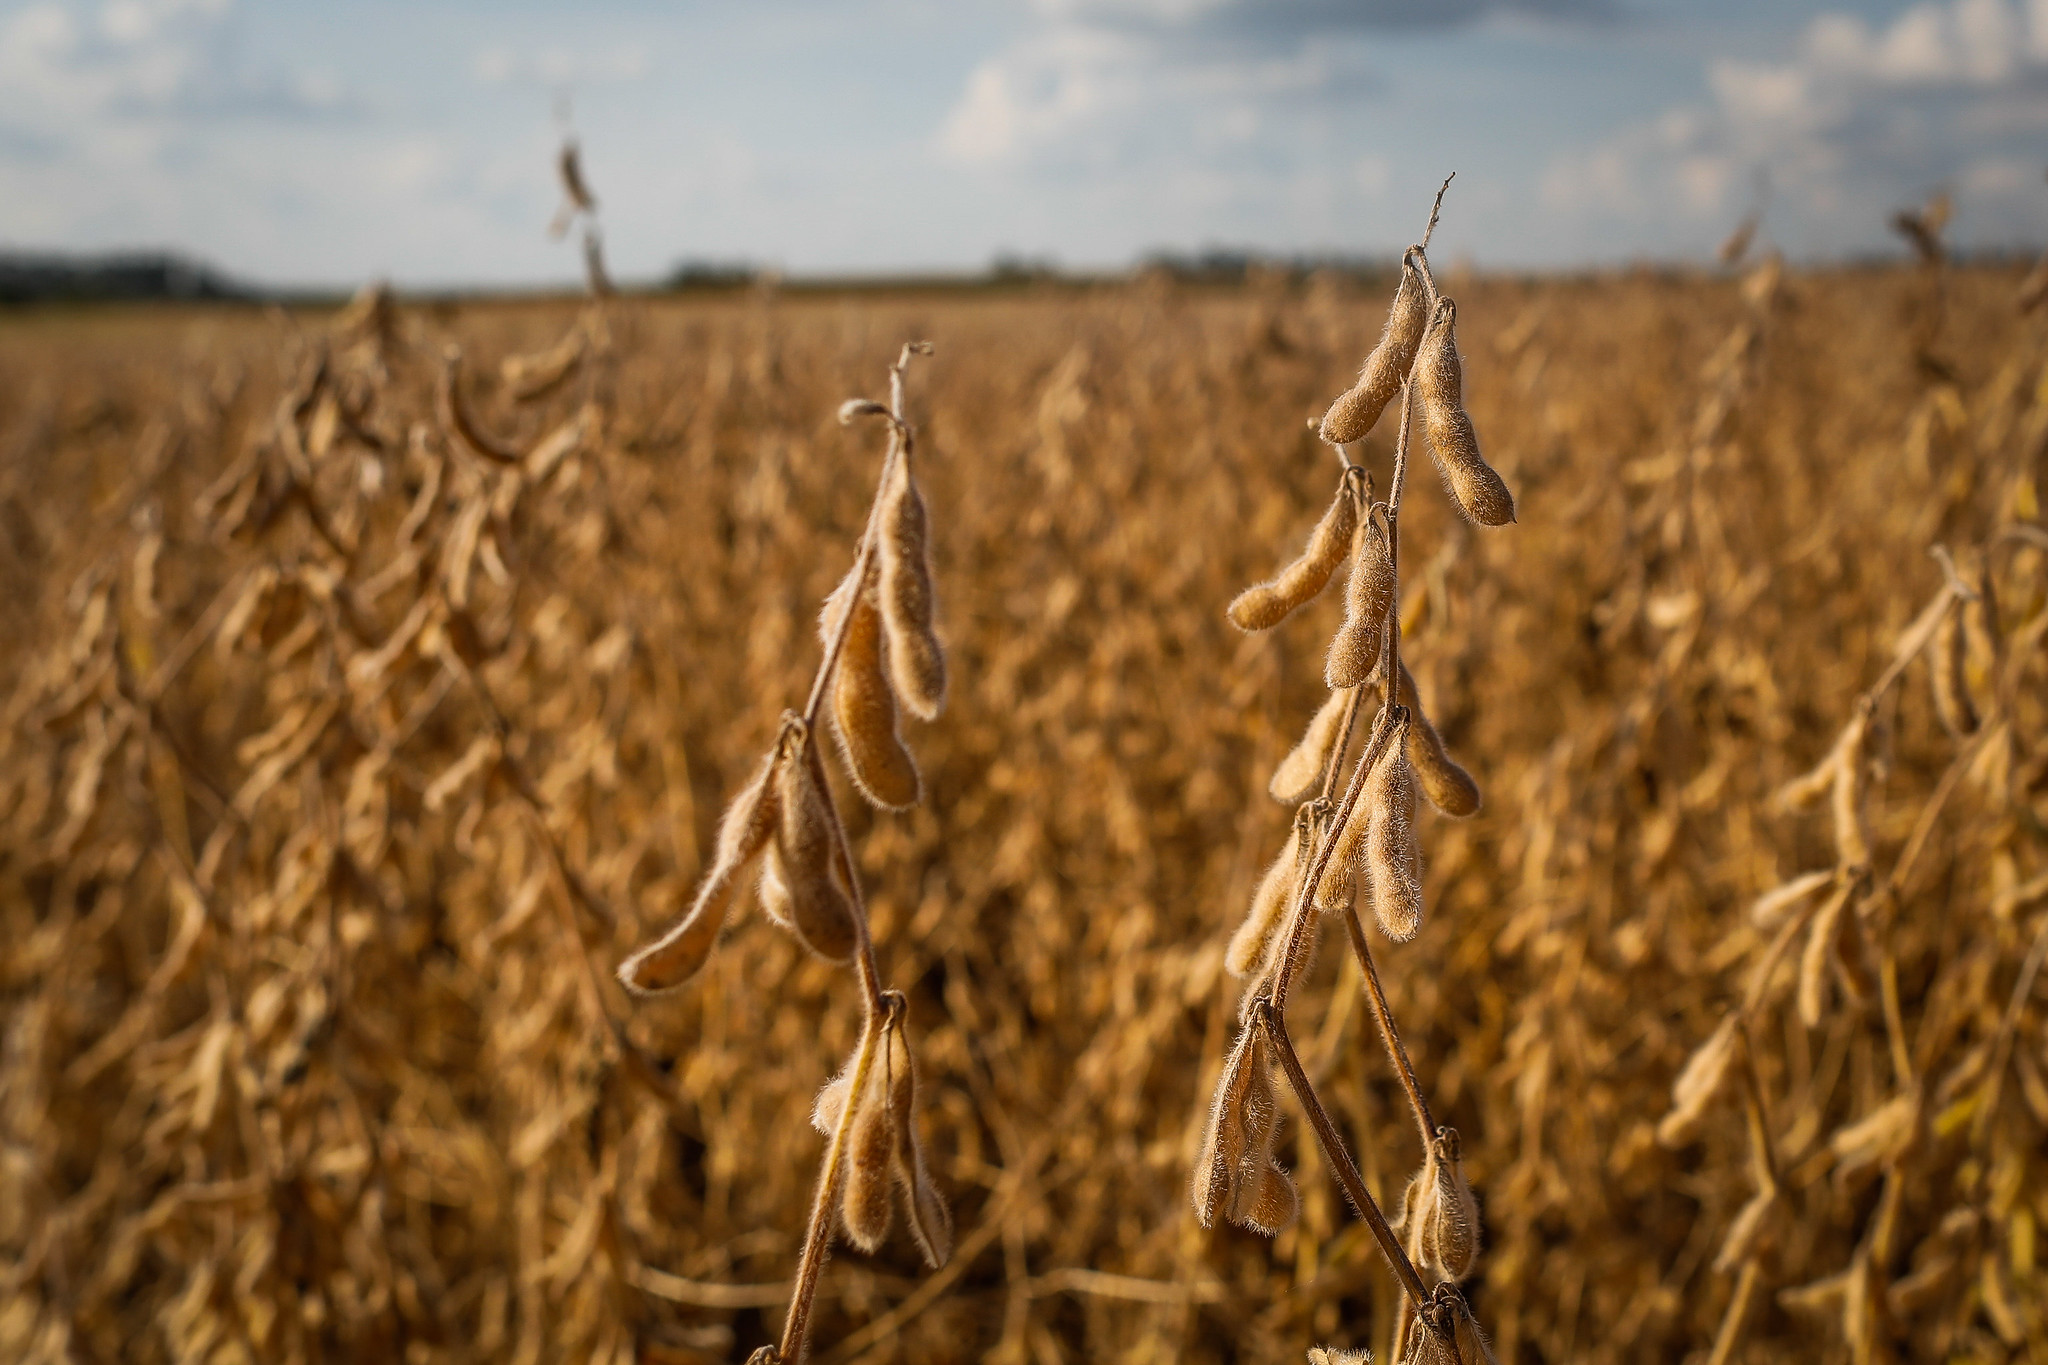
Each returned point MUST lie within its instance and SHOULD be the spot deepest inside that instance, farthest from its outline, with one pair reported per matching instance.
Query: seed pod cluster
(1268, 604)
(1440, 386)
(802, 886)
(744, 830)
(1368, 597)
(1359, 408)
(885, 1157)
(1237, 1175)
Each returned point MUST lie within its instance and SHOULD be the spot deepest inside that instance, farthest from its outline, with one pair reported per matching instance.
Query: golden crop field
(363, 715)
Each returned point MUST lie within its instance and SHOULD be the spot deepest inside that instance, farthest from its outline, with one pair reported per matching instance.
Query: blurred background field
(327, 737)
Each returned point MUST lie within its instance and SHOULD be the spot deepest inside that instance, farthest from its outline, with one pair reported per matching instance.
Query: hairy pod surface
(1359, 407)
(864, 706)
(1393, 859)
(1234, 1173)
(1301, 772)
(1271, 900)
(931, 1222)
(814, 905)
(865, 1204)
(917, 661)
(743, 832)
(1347, 870)
(1440, 385)
(1268, 604)
(1443, 780)
(1368, 597)
(1450, 1232)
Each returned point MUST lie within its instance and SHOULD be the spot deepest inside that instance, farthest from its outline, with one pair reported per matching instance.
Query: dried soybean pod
(1267, 1202)
(1945, 668)
(1821, 937)
(865, 1206)
(1267, 605)
(743, 831)
(1699, 1081)
(1450, 1232)
(1346, 871)
(864, 706)
(1440, 385)
(1356, 410)
(1393, 860)
(1845, 795)
(1270, 903)
(1228, 1133)
(1301, 772)
(817, 907)
(931, 1222)
(917, 661)
(1355, 651)
(1447, 785)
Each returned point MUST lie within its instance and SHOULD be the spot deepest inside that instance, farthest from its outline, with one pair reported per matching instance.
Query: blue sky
(328, 143)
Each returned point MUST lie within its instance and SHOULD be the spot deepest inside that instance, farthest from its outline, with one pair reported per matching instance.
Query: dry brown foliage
(344, 1089)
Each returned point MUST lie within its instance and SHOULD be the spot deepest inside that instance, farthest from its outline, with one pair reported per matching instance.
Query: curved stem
(1340, 1159)
(1389, 1034)
(818, 1234)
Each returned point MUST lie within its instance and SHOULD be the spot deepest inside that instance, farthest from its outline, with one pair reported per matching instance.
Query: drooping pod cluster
(1237, 1175)
(882, 655)
(886, 1162)
(1362, 845)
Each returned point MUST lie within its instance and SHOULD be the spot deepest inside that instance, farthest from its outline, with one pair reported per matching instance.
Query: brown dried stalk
(810, 884)
(1364, 844)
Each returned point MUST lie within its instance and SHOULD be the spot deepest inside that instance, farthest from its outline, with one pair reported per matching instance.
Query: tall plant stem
(877, 1005)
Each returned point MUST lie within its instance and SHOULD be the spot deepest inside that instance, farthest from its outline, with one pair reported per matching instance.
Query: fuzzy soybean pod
(1440, 385)
(744, 831)
(1237, 1175)
(1356, 410)
(931, 1222)
(1447, 785)
(865, 1206)
(917, 661)
(1346, 871)
(864, 705)
(1355, 651)
(1393, 859)
(1268, 604)
(1450, 1229)
(801, 886)
(1301, 772)
(1252, 943)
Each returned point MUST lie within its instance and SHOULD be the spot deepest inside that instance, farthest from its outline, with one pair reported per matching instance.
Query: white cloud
(1853, 122)
(555, 67)
(66, 72)
(1091, 95)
